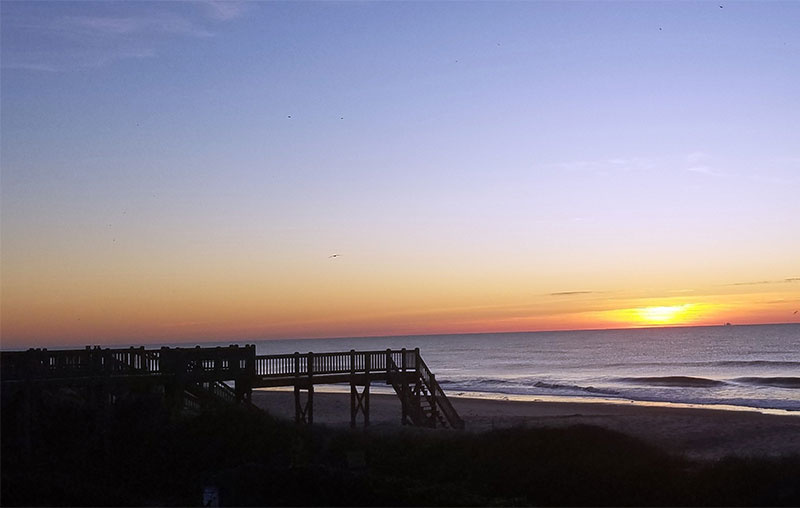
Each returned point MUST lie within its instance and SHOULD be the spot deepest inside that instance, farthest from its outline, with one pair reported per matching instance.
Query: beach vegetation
(136, 454)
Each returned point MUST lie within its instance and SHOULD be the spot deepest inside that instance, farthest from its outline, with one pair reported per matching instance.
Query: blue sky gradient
(458, 148)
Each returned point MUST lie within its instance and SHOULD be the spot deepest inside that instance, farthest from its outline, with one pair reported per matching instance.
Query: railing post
(434, 409)
(403, 388)
(367, 363)
(243, 383)
(310, 406)
(353, 389)
(416, 359)
(297, 406)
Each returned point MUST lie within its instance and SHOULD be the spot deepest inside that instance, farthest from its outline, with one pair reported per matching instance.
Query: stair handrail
(436, 391)
(222, 390)
(216, 391)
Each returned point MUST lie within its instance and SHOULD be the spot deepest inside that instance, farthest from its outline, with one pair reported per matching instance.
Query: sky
(195, 171)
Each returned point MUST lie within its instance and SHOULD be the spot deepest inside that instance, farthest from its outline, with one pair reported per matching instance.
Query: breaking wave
(777, 382)
(589, 389)
(721, 363)
(520, 386)
(677, 381)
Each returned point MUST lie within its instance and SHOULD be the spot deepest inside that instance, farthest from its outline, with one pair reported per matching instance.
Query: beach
(694, 432)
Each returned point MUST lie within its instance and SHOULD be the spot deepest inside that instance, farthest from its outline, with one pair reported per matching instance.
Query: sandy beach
(697, 433)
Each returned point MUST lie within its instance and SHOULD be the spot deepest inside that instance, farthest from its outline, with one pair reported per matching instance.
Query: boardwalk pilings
(359, 401)
(304, 412)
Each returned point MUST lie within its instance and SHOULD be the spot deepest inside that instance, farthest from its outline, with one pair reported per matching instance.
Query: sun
(663, 315)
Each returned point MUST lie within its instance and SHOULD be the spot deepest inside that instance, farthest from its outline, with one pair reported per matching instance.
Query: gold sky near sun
(195, 301)
(133, 292)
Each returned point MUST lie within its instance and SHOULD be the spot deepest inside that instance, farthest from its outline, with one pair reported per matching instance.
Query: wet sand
(697, 433)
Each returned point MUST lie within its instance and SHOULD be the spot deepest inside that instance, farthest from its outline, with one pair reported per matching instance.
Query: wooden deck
(193, 377)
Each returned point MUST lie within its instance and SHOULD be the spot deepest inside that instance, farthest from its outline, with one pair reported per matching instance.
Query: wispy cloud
(223, 10)
(159, 22)
(788, 280)
(570, 293)
(28, 64)
(706, 170)
(700, 162)
(782, 301)
(78, 37)
(184, 324)
(78, 58)
(696, 157)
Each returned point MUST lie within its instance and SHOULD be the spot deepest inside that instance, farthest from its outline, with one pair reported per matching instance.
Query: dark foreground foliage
(136, 455)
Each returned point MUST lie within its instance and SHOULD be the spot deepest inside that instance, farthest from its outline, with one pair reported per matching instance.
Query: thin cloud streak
(84, 59)
(764, 282)
(165, 23)
(705, 170)
(222, 10)
(89, 40)
(697, 162)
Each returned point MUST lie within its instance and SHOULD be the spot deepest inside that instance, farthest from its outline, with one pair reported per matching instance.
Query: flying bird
(795, 312)
(334, 256)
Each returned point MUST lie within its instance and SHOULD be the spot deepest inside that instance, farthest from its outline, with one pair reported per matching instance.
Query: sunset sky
(185, 171)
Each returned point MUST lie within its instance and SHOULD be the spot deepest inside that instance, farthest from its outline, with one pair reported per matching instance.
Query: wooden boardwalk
(190, 378)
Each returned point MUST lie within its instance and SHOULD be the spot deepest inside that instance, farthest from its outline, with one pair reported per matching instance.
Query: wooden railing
(134, 361)
(347, 362)
(209, 363)
(360, 362)
(43, 364)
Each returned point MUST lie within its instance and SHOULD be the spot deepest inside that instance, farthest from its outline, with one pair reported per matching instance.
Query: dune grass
(137, 456)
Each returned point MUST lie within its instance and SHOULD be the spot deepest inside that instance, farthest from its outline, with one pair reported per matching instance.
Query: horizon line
(124, 344)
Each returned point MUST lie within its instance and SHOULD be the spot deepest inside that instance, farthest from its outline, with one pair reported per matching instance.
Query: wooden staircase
(424, 402)
(210, 393)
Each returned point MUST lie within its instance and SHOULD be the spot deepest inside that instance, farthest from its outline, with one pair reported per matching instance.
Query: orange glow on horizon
(236, 309)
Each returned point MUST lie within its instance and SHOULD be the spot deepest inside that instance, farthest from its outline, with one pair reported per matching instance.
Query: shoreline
(621, 401)
(567, 399)
(697, 432)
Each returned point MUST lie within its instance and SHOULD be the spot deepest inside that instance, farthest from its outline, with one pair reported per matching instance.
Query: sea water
(756, 366)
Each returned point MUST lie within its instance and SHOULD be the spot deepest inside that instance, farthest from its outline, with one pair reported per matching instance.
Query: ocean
(743, 366)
